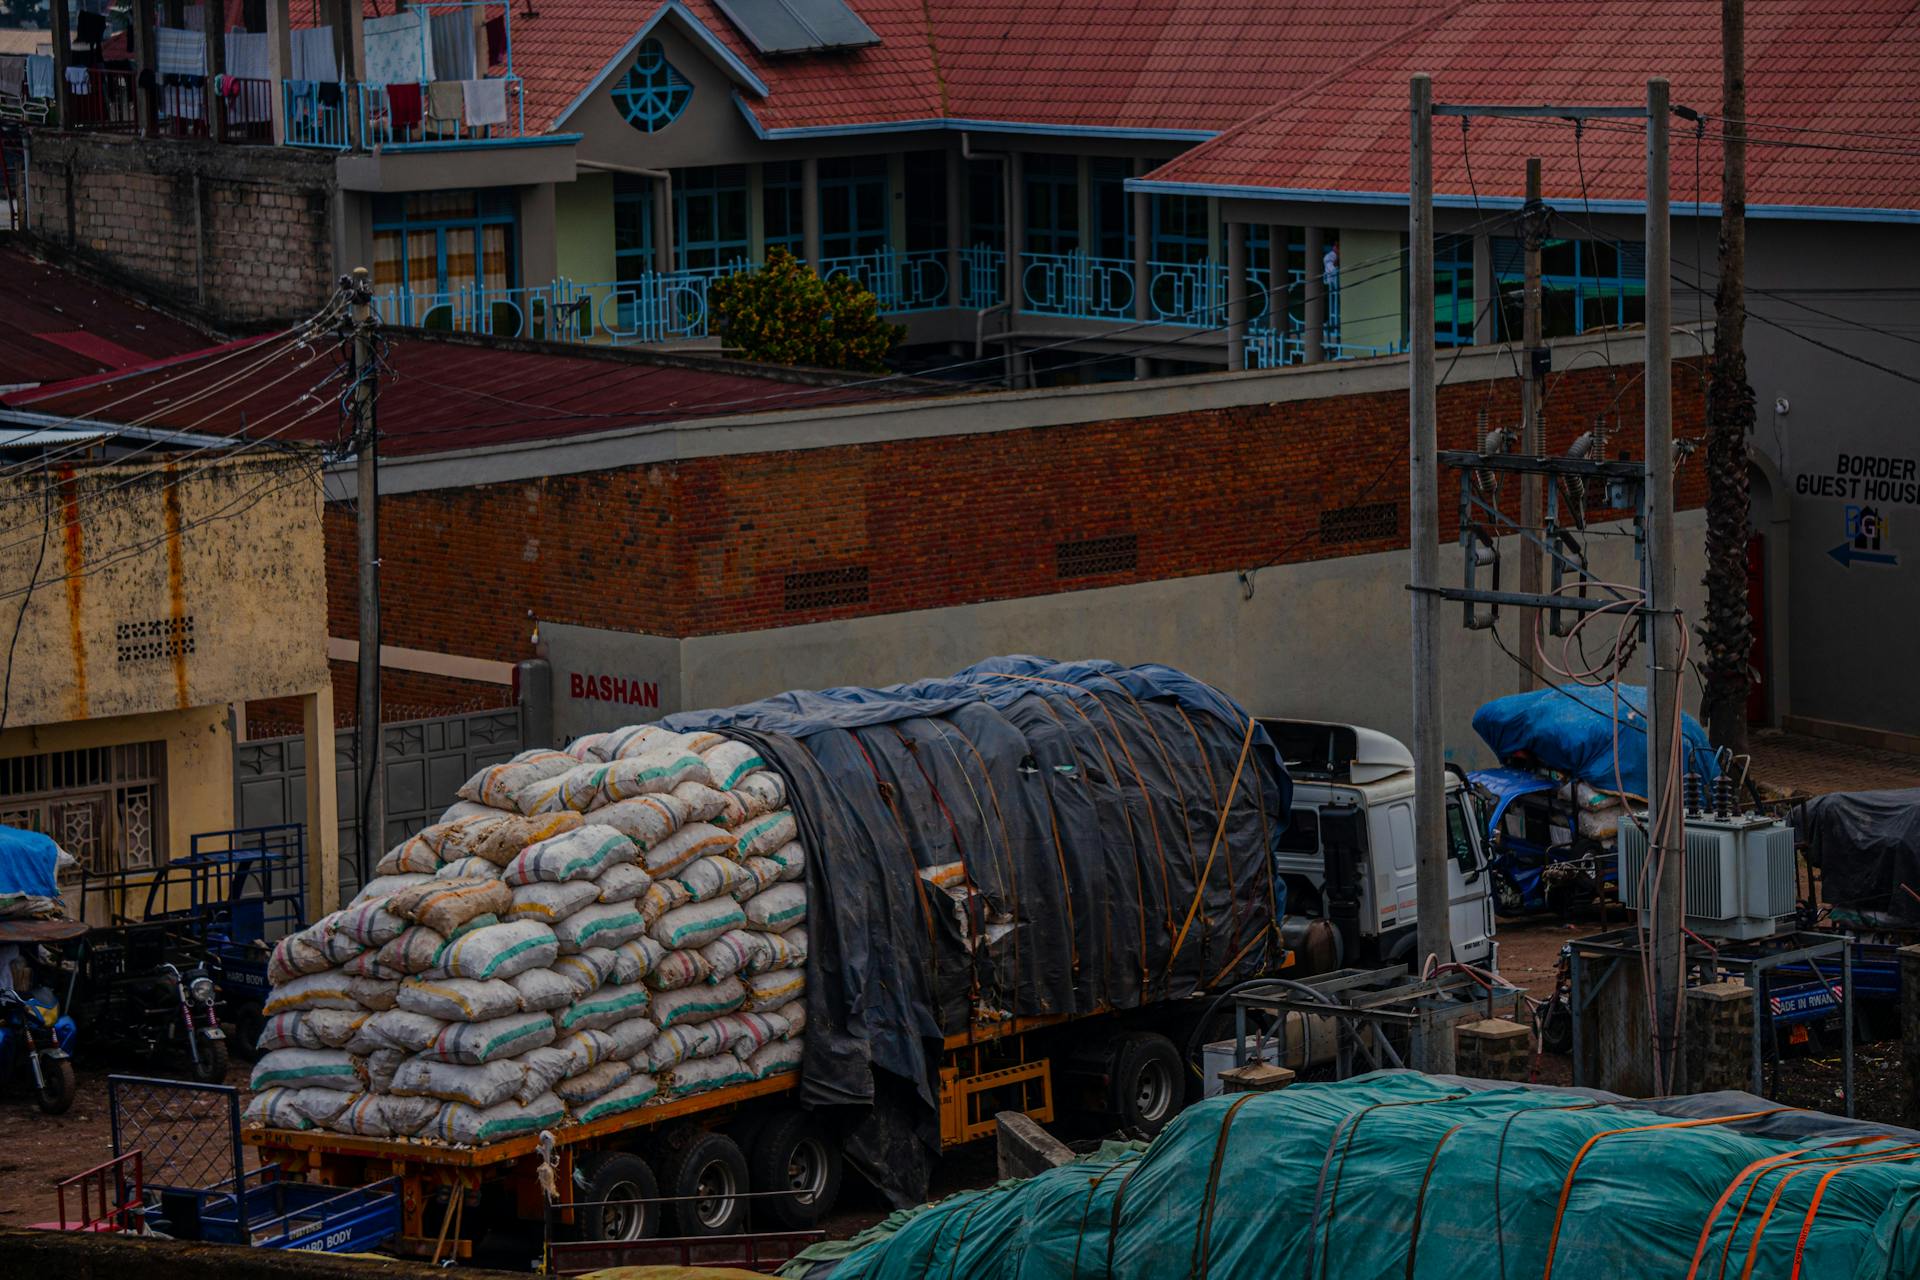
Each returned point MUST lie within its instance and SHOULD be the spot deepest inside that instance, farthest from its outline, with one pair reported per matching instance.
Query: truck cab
(1348, 852)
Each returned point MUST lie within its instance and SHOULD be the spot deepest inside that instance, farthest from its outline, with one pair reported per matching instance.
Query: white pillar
(279, 64)
(323, 799)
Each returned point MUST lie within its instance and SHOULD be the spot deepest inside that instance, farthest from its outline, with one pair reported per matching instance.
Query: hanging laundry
(454, 57)
(403, 104)
(91, 28)
(313, 54)
(486, 101)
(179, 52)
(78, 81)
(330, 94)
(13, 74)
(39, 75)
(397, 48)
(445, 101)
(194, 18)
(496, 40)
(247, 55)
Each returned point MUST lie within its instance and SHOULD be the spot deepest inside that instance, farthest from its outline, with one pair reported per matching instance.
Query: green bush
(783, 313)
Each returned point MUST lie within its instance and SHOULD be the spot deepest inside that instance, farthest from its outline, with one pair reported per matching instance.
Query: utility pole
(1435, 932)
(366, 434)
(1664, 841)
(1532, 507)
(1727, 637)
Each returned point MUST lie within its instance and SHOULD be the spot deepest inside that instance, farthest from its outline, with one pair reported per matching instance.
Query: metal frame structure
(1753, 961)
(1385, 1000)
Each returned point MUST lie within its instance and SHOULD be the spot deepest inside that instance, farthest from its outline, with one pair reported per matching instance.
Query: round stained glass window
(653, 93)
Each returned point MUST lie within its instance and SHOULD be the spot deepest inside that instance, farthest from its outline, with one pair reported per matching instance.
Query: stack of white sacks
(586, 932)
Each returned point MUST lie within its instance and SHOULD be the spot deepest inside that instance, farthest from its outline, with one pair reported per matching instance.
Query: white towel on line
(486, 101)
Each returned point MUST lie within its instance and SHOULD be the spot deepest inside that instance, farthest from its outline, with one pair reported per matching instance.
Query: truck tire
(707, 1179)
(791, 1152)
(616, 1175)
(1147, 1089)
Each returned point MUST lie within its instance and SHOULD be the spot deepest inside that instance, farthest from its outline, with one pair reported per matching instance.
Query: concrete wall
(1324, 640)
(1850, 625)
(240, 235)
(164, 589)
(199, 761)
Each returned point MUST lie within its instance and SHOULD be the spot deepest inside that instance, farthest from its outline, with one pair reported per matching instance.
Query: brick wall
(240, 235)
(707, 546)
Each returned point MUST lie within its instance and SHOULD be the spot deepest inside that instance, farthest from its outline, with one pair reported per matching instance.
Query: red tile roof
(1185, 65)
(57, 325)
(1833, 93)
(443, 394)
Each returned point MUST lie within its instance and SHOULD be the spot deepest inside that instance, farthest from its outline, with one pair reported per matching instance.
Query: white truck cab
(1348, 852)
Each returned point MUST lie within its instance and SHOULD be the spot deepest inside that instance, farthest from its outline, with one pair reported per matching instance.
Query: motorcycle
(34, 1032)
(199, 1021)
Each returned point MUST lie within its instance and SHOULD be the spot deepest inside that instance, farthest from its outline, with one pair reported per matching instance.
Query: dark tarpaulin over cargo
(1027, 837)
(1866, 845)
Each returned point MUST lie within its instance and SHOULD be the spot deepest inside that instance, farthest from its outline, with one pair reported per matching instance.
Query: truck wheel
(618, 1175)
(791, 1153)
(707, 1180)
(1147, 1087)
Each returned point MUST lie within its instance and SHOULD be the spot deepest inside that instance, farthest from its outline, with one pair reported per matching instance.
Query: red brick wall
(703, 546)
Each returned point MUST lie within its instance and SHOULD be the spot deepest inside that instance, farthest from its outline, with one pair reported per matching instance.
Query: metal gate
(425, 761)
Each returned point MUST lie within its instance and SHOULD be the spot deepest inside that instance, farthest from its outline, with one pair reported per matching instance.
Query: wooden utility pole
(1434, 929)
(366, 432)
(1665, 842)
(1727, 635)
(1533, 567)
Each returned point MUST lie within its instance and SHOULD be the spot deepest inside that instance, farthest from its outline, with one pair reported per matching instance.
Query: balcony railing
(103, 100)
(245, 107)
(654, 307)
(386, 122)
(318, 113)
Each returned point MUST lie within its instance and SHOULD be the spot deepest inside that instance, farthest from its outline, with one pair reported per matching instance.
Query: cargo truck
(1123, 833)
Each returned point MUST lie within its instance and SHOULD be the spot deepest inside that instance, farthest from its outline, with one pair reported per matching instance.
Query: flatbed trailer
(1111, 1060)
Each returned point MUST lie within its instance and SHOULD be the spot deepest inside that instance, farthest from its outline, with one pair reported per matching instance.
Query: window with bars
(1086, 557)
(104, 805)
(1359, 524)
(827, 588)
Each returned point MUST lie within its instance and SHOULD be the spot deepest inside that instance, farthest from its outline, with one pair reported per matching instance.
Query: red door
(1757, 626)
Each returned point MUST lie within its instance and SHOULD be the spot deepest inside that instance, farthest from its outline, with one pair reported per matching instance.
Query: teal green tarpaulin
(1410, 1177)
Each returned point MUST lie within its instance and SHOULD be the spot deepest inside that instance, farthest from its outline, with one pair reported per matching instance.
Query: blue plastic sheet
(27, 864)
(1570, 728)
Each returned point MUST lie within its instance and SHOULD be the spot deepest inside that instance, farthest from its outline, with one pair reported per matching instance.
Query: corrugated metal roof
(56, 325)
(440, 394)
(1833, 93)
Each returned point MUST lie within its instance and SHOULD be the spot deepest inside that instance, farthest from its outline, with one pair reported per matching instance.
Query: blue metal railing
(318, 113)
(902, 282)
(373, 108)
(983, 277)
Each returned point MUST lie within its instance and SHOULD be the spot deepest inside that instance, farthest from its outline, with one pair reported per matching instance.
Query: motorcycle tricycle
(36, 1037)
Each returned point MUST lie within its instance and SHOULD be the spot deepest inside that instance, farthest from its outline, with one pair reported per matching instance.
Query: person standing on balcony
(1330, 268)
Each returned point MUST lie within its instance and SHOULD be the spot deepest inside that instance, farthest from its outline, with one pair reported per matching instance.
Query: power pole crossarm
(366, 433)
(1434, 929)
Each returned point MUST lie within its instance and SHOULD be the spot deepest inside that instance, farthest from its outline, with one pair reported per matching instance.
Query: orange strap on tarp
(1200, 888)
(1758, 1170)
(1773, 1202)
(1566, 1187)
(1806, 1226)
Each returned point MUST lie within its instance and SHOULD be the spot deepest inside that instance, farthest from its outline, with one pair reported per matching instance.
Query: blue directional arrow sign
(1848, 557)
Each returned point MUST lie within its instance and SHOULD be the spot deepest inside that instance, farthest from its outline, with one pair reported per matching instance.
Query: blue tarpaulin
(27, 864)
(1571, 729)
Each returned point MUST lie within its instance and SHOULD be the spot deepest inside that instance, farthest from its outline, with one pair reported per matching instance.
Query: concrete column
(62, 57)
(956, 222)
(279, 63)
(1083, 205)
(1142, 246)
(1316, 308)
(897, 201)
(1719, 1037)
(214, 32)
(757, 212)
(1486, 311)
(323, 801)
(1024, 1148)
(664, 222)
(140, 38)
(1016, 257)
(810, 211)
(539, 235)
(1239, 286)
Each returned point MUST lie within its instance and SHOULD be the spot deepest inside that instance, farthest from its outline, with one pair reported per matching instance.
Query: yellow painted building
(142, 605)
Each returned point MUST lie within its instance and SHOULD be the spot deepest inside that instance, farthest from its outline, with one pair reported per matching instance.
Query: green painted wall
(1373, 289)
(583, 223)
